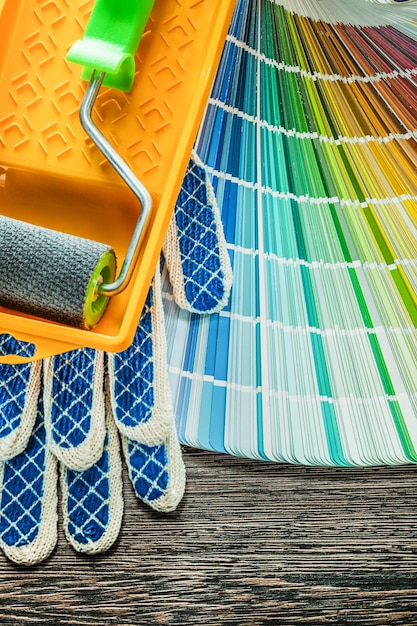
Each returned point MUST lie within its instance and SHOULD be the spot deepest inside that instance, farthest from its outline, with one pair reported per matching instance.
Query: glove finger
(92, 500)
(139, 385)
(195, 247)
(75, 407)
(19, 392)
(157, 473)
(28, 500)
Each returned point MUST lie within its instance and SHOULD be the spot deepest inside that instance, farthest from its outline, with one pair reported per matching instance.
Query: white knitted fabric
(175, 259)
(175, 467)
(158, 432)
(92, 498)
(89, 450)
(15, 442)
(116, 502)
(43, 544)
(157, 426)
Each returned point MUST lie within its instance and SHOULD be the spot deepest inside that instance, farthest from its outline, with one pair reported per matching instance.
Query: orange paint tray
(52, 175)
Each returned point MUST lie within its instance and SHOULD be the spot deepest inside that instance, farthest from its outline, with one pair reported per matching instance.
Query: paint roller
(59, 276)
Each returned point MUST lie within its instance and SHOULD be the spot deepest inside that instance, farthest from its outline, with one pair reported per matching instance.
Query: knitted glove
(68, 411)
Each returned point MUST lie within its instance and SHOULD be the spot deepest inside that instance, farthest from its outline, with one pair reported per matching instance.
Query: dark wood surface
(252, 543)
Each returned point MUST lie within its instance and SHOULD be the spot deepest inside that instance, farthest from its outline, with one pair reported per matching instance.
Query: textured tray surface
(51, 172)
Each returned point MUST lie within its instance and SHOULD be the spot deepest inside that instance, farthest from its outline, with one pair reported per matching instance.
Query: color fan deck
(310, 139)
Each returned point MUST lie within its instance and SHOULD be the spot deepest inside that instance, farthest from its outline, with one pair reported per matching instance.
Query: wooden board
(251, 544)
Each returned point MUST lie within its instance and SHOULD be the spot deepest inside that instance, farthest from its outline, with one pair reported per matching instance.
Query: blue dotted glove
(68, 413)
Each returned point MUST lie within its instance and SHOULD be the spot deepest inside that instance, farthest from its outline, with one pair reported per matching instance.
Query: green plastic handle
(110, 41)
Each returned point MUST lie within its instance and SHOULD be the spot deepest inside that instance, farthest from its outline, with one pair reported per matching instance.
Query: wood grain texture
(252, 543)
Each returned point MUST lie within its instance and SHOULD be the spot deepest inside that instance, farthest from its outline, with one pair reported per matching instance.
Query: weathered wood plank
(252, 543)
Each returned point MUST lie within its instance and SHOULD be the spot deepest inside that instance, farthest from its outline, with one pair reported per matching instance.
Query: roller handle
(107, 52)
(128, 177)
(111, 39)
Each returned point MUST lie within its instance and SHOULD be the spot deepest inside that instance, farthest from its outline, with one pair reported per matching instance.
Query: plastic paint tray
(52, 175)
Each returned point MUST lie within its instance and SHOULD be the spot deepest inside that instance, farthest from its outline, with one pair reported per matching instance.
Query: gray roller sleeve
(46, 273)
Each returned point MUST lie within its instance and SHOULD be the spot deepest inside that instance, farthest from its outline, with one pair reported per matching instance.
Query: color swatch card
(309, 137)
